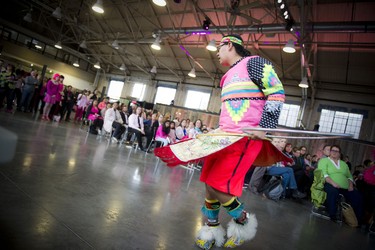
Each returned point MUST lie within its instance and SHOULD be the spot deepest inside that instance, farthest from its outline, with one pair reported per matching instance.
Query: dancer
(252, 96)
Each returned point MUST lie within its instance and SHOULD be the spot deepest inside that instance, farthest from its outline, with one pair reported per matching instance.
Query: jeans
(287, 174)
(27, 94)
(354, 198)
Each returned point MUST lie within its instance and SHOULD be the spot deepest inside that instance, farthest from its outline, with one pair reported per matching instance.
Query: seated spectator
(280, 169)
(93, 115)
(113, 119)
(136, 126)
(151, 130)
(288, 150)
(172, 133)
(162, 133)
(103, 104)
(102, 111)
(193, 132)
(339, 180)
(369, 196)
(124, 115)
(181, 132)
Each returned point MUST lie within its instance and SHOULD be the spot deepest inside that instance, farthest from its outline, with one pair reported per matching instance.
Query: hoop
(314, 134)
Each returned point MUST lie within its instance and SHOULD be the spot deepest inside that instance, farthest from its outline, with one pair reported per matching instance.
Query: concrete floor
(66, 189)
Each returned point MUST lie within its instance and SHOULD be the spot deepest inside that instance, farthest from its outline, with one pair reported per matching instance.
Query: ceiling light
(76, 64)
(279, 1)
(97, 65)
(58, 45)
(28, 17)
(285, 13)
(115, 44)
(282, 6)
(156, 44)
(57, 13)
(83, 44)
(153, 70)
(38, 46)
(192, 73)
(289, 47)
(161, 3)
(206, 24)
(304, 83)
(98, 7)
(286, 17)
(123, 67)
(212, 45)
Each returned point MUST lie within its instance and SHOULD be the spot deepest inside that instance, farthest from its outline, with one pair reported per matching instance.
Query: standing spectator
(28, 90)
(68, 103)
(7, 86)
(50, 98)
(82, 103)
(18, 88)
(40, 96)
(57, 109)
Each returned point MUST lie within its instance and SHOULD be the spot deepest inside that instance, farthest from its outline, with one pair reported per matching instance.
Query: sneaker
(204, 244)
(298, 195)
(320, 212)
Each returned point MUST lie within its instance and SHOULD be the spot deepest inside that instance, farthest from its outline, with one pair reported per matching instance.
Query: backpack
(273, 189)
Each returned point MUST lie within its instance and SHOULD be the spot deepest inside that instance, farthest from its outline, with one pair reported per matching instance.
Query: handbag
(349, 215)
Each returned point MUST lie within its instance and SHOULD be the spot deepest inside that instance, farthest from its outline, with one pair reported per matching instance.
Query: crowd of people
(26, 92)
(340, 180)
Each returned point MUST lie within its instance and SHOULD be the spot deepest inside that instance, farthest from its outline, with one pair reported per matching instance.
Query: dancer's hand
(257, 135)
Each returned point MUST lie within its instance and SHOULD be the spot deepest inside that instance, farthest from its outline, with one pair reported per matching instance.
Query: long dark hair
(166, 129)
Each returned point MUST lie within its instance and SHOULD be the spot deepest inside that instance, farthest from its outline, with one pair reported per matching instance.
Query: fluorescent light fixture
(115, 44)
(212, 45)
(282, 6)
(156, 44)
(76, 64)
(285, 13)
(279, 1)
(192, 73)
(289, 47)
(83, 44)
(38, 46)
(161, 3)
(123, 67)
(57, 13)
(286, 17)
(98, 7)
(304, 83)
(28, 17)
(153, 70)
(58, 45)
(97, 65)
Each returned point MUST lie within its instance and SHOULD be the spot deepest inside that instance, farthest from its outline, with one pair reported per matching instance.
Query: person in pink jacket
(51, 93)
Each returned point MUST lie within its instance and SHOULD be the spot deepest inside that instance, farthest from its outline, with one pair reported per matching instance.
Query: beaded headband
(232, 39)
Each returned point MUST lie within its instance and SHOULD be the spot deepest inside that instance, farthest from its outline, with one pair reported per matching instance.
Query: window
(139, 91)
(115, 89)
(165, 95)
(289, 114)
(197, 100)
(340, 122)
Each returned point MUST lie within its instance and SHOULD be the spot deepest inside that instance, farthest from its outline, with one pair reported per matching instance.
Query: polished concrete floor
(65, 189)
